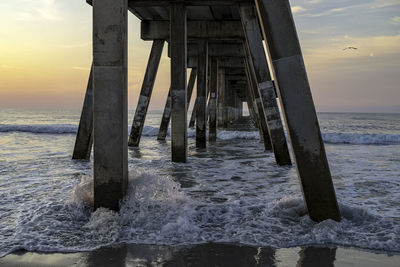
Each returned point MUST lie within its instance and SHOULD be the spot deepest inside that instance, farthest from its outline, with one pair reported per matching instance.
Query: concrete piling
(84, 137)
(145, 93)
(212, 123)
(221, 97)
(110, 107)
(202, 85)
(190, 86)
(178, 44)
(163, 130)
(258, 60)
(225, 108)
(258, 105)
(193, 116)
(252, 103)
(294, 93)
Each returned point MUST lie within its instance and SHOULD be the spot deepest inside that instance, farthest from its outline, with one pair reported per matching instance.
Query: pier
(222, 42)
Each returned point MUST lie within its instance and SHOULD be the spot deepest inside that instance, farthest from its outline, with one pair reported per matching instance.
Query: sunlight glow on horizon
(45, 54)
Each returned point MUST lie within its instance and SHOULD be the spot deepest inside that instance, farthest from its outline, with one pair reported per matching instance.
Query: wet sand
(205, 255)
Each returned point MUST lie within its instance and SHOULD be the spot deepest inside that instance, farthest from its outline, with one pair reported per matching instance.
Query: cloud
(385, 3)
(310, 31)
(48, 10)
(395, 20)
(80, 68)
(314, 1)
(297, 9)
(328, 12)
(37, 10)
(75, 45)
(367, 47)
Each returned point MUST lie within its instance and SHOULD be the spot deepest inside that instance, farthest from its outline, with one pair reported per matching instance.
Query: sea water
(232, 192)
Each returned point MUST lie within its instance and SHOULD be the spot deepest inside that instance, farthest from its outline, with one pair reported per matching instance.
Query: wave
(39, 128)
(361, 139)
(149, 131)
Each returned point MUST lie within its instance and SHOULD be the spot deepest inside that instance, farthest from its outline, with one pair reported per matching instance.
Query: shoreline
(209, 254)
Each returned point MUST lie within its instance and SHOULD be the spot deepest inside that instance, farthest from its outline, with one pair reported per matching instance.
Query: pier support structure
(178, 44)
(301, 119)
(259, 63)
(84, 137)
(163, 130)
(110, 106)
(212, 33)
(221, 97)
(212, 123)
(145, 93)
(258, 105)
(200, 105)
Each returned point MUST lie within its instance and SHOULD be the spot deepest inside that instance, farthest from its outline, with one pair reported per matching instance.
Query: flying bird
(350, 47)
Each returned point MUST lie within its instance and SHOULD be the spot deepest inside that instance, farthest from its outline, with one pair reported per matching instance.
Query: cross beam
(217, 30)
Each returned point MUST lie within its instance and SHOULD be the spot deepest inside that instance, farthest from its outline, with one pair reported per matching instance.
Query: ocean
(230, 193)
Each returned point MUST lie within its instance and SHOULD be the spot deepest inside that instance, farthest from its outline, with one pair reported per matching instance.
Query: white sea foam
(157, 211)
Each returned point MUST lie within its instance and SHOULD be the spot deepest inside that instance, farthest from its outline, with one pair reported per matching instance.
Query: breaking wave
(361, 139)
(149, 131)
(39, 128)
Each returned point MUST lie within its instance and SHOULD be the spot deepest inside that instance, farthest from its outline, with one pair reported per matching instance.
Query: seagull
(350, 47)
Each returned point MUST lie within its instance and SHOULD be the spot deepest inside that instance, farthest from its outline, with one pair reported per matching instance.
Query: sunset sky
(45, 54)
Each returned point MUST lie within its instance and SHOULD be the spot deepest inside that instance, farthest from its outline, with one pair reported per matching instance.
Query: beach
(206, 255)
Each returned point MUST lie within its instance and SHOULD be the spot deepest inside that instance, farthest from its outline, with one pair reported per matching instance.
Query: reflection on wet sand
(199, 255)
(204, 255)
(318, 257)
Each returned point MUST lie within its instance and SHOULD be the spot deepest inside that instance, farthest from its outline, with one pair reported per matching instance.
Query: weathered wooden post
(178, 81)
(212, 135)
(259, 63)
(84, 137)
(110, 107)
(200, 106)
(145, 93)
(298, 106)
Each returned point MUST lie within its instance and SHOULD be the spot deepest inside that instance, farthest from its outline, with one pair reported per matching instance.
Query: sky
(45, 54)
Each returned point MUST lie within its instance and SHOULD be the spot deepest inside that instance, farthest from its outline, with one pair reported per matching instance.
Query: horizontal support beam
(223, 62)
(146, 3)
(216, 30)
(216, 50)
(242, 77)
(235, 71)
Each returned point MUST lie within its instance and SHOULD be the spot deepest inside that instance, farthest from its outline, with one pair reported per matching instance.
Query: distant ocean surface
(231, 193)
